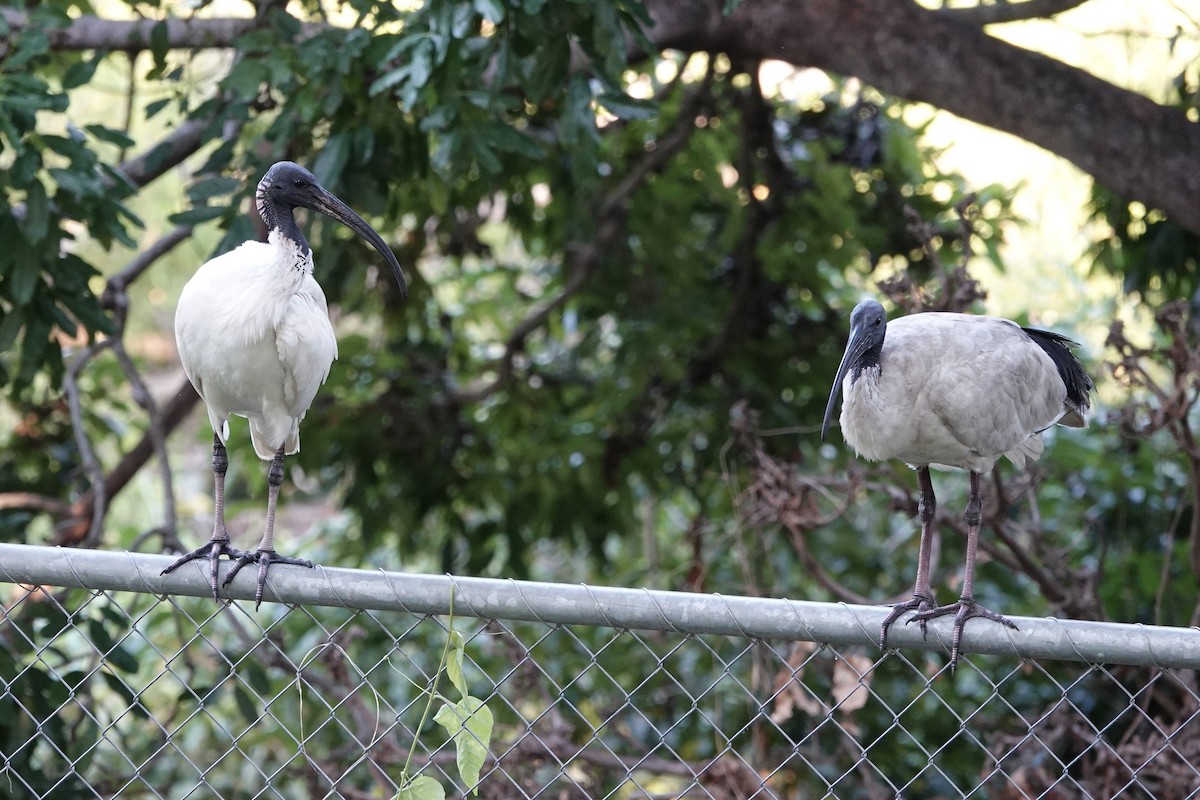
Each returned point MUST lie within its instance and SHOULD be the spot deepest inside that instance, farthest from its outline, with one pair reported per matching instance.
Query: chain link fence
(124, 683)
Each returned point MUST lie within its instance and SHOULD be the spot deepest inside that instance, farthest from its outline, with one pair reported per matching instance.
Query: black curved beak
(333, 208)
(859, 343)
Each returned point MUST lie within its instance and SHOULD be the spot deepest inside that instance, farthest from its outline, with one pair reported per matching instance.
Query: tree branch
(131, 36)
(1135, 147)
(173, 413)
(1008, 11)
(34, 502)
(187, 137)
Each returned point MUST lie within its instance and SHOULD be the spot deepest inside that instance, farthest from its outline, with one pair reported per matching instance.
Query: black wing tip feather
(1061, 351)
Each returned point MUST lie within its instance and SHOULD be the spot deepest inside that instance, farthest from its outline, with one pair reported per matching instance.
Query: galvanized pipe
(621, 608)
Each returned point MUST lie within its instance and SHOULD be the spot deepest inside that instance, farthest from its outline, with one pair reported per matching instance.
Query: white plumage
(952, 390)
(255, 340)
(254, 337)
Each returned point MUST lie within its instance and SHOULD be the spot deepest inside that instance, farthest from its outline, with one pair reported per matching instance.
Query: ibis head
(288, 186)
(868, 322)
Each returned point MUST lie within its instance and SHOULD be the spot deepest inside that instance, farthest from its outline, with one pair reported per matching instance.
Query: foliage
(467, 721)
(55, 179)
(1154, 255)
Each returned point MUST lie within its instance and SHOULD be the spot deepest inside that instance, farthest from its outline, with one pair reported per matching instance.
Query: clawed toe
(963, 610)
(212, 552)
(919, 602)
(264, 559)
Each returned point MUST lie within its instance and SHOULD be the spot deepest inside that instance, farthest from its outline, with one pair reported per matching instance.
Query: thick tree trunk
(1133, 146)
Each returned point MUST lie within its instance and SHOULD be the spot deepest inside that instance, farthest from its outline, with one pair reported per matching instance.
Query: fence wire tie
(517, 588)
(805, 628)
(95, 593)
(457, 596)
(1066, 636)
(333, 588)
(391, 584)
(871, 636)
(737, 623)
(600, 609)
(146, 587)
(1012, 642)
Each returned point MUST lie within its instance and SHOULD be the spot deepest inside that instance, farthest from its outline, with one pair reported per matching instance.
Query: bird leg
(966, 608)
(922, 599)
(218, 545)
(265, 556)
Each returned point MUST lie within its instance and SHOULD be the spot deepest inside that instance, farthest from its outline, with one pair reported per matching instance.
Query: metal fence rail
(127, 683)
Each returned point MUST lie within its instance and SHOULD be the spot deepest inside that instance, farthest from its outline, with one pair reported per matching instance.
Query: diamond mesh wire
(107, 693)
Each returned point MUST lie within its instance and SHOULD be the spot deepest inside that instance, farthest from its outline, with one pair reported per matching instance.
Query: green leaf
(10, 326)
(245, 78)
(110, 135)
(24, 280)
(333, 159)
(484, 154)
(215, 186)
(160, 43)
(194, 216)
(469, 723)
(246, 703)
(87, 309)
(31, 44)
(627, 107)
(511, 140)
(47, 308)
(255, 676)
(546, 74)
(37, 213)
(153, 107)
(454, 663)
(422, 787)
(79, 73)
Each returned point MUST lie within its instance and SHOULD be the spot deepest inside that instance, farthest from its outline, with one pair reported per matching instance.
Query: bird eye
(298, 183)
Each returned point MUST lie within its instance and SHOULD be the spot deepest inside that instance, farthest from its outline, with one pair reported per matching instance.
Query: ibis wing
(307, 347)
(975, 388)
(1000, 397)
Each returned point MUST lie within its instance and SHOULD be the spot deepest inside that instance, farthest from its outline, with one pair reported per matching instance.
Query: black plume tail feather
(1060, 349)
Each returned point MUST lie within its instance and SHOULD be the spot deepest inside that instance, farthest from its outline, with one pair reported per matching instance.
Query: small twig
(146, 259)
(950, 290)
(87, 454)
(813, 567)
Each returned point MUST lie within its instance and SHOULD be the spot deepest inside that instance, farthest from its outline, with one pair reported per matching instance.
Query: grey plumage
(954, 390)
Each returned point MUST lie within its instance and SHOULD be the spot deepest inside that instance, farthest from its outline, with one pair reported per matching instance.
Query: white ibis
(952, 390)
(254, 337)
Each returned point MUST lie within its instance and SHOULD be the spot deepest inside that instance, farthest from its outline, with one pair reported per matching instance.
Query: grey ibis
(254, 336)
(952, 390)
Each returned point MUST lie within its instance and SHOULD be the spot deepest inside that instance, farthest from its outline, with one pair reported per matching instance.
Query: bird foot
(920, 602)
(264, 559)
(963, 610)
(212, 551)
